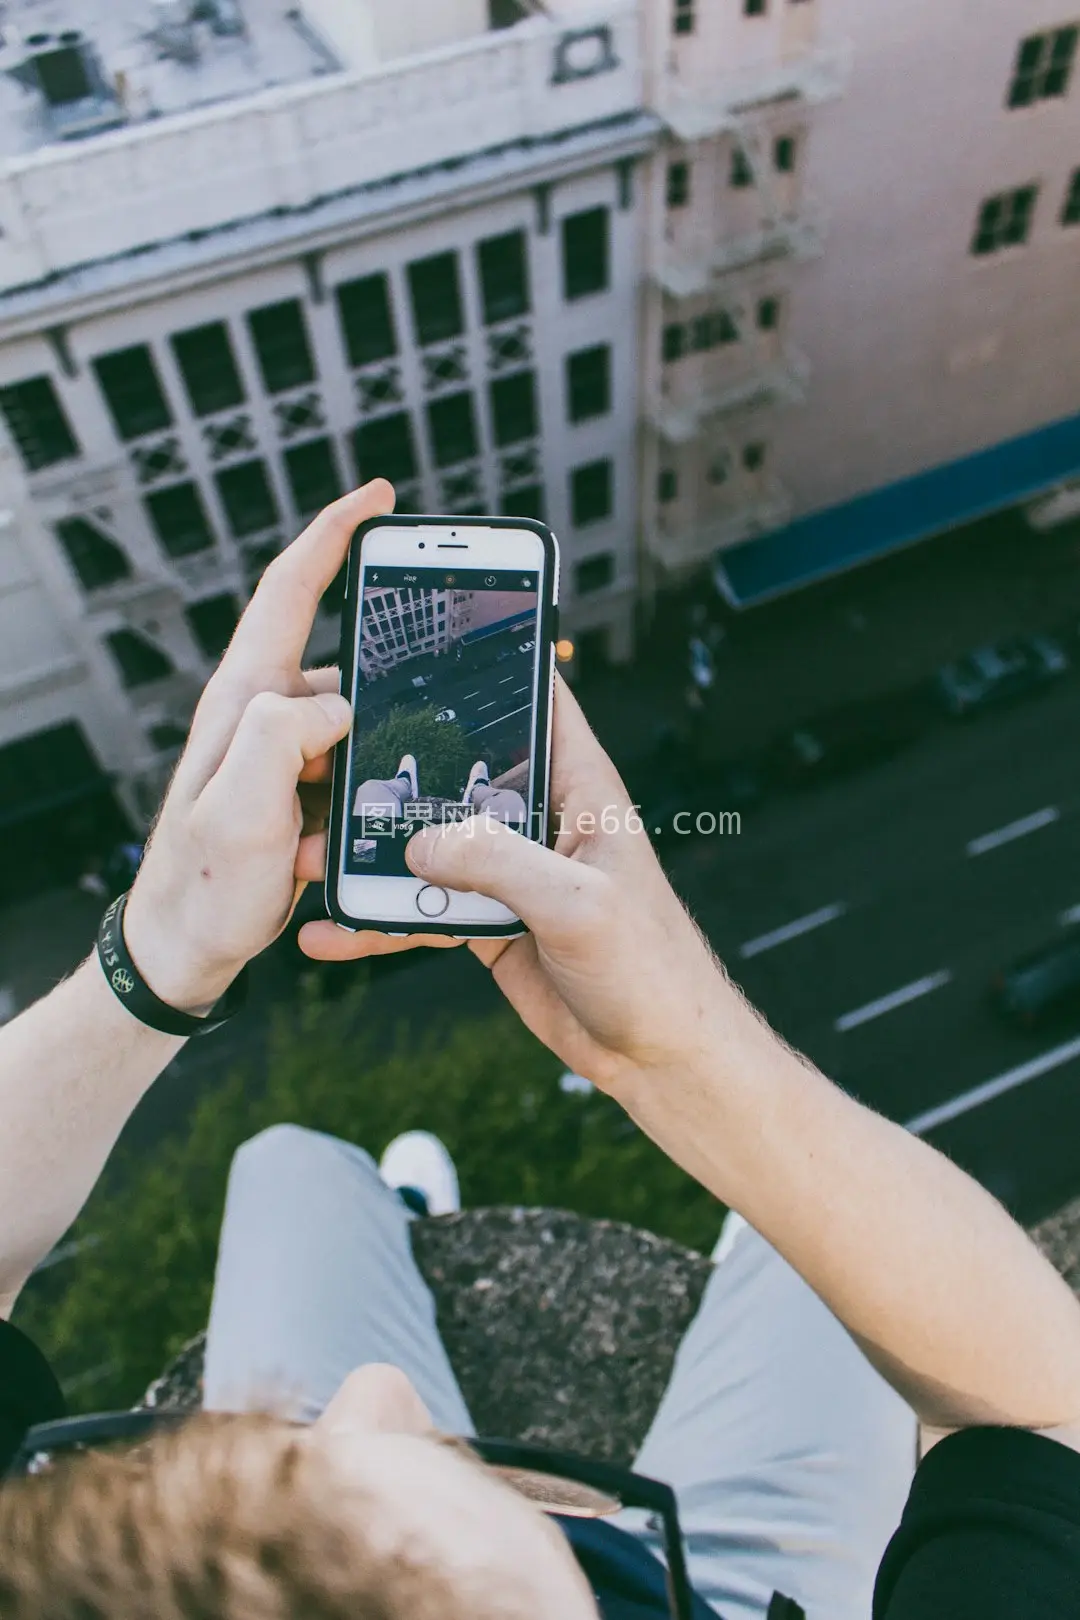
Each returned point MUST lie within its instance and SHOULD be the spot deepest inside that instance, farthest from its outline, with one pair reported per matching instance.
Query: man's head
(251, 1519)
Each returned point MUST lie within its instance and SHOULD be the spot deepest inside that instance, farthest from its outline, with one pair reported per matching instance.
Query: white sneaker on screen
(407, 770)
(419, 1162)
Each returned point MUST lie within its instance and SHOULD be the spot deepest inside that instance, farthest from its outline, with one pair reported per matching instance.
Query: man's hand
(614, 976)
(219, 879)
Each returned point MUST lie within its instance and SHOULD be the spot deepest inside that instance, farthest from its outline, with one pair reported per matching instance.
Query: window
(178, 518)
(96, 558)
(527, 502)
(279, 333)
(367, 319)
(585, 253)
(595, 573)
(755, 8)
(504, 277)
(205, 357)
(1070, 213)
(248, 498)
(436, 298)
(213, 621)
(1004, 220)
(590, 493)
(673, 343)
(719, 470)
(312, 471)
(678, 185)
(667, 485)
(1043, 66)
(133, 391)
(768, 314)
(682, 17)
(138, 660)
(37, 422)
(505, 13)
(588, 383)
(452, 423)
(785, 154)
(712, 330)
(513, 408)
(742, 175)
(753, 457)
(384, 449)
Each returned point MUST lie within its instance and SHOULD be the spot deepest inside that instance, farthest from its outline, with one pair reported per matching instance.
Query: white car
(446, 715)
(527, 646)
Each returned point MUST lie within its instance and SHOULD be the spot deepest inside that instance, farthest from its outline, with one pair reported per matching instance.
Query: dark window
(667, 485)
(768, 314)
(1004, 220)
(248, 498)
(527, 502)
(205, 357)
(436, 298)
(673, 346)
(167, 737)
(702, 332)
(384, 449)
(588, 383)
(133, 391)
(312, 471)
(594, 573)
(513, 408)
(590, 493)
(1043, 66)
(719, 470)
(505, 13)
(755, 8)
(213, 621)
(279, 333)
(138, 660)
(96, 558)
(62, 76)
(179, 520)
(585, 253)
(367, 319)
(452, 422)
(1070, 213)
(725, 328)
(682, 17)
(504, 276)
(678, 185)
(37, 422)
(753, 457)
(742, 175)
(785, 154)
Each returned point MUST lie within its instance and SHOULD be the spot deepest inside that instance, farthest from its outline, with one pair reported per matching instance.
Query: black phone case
(547, 635)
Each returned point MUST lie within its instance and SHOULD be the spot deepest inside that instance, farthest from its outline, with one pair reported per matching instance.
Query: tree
(440, 747)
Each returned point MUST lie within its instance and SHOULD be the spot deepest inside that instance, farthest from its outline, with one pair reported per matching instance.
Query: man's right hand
(614, 977)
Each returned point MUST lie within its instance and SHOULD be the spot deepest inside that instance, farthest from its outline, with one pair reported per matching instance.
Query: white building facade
(420, 258)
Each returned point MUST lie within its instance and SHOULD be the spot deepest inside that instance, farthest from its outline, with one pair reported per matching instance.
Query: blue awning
(898, 514)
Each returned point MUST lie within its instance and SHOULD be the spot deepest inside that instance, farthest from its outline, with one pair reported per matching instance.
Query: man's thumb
(484, 856)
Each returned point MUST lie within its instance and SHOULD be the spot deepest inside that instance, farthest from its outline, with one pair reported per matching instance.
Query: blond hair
(225, 1519)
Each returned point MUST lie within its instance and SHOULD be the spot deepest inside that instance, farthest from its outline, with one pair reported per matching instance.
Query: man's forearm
(72, 1068)
(941, 1288)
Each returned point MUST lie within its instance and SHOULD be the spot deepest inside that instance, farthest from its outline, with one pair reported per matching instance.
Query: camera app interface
(444, 706)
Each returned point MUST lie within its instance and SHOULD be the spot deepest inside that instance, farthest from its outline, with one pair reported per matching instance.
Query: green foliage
(441, 749)
(487, 1088)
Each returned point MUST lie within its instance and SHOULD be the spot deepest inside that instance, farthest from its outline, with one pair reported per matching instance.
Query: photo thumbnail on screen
(444, 703)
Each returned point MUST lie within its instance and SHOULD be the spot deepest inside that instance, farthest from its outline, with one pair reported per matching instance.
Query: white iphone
(448, 658)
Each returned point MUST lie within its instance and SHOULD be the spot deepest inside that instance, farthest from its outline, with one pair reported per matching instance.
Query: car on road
(1043, 984)
(421, 680)
(446, 715)
(1000, 672)
(847, 738)
(526, 646)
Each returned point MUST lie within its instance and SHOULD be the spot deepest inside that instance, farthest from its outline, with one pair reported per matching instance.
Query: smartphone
(448, 658)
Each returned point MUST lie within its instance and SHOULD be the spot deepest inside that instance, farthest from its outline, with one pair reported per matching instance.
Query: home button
(432, 902)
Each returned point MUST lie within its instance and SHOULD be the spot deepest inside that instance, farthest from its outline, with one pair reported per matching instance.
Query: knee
(284, 1154)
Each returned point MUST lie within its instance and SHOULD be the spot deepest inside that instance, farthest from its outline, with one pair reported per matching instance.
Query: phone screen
(444, 706)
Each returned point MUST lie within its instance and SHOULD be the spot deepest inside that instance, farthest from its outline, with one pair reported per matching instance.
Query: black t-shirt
(991, 1530)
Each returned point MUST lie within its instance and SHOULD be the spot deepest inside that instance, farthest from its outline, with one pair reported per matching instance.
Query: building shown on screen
(690, 279)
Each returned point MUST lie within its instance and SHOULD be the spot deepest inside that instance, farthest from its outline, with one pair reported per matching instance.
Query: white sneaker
(479, 776)
(407, 770)
(417, 1159)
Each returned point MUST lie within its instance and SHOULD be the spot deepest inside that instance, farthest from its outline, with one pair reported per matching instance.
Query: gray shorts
(790, 1456)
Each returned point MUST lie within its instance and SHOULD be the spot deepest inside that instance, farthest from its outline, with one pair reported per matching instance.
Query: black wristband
(129, 986)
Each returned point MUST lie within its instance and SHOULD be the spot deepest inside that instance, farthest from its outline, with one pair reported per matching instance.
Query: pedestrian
(866, 1283)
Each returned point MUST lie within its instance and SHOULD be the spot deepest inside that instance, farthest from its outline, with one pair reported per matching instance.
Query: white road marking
(1069, 917)
(472, 694)
(791, 930)
(484, 706)
(997, 1087)
(896, 998)
(477, 729)
(1015, 829)
(519, 689)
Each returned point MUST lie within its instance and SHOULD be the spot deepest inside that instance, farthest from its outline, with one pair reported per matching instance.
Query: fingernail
(418, 851)
(338, 710)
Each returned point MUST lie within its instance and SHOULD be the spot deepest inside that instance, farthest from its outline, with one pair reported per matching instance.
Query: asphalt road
(866, 918)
